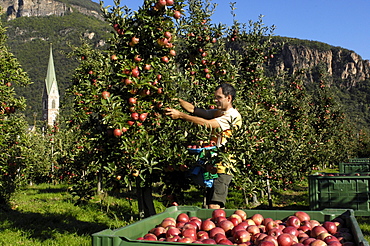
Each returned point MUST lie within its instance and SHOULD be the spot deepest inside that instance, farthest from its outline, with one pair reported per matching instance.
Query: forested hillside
(29, 40)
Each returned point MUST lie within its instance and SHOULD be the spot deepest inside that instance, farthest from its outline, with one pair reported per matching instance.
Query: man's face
(222, 102)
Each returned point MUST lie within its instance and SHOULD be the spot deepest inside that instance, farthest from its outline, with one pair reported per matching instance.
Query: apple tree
(13, 125)
(119, 99)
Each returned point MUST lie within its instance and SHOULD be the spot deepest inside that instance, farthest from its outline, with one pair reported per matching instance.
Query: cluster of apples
(237, 229)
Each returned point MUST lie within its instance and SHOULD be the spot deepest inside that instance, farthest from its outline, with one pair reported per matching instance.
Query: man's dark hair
(227, 89)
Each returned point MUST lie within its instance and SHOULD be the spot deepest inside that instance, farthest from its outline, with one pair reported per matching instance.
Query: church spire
(50, 97)
(50, 75)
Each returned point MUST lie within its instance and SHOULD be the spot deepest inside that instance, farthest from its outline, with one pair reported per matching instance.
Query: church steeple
(50, 98)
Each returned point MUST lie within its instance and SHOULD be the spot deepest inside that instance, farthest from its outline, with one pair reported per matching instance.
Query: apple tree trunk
(145, 200)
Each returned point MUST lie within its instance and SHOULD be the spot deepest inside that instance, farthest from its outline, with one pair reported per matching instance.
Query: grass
(46, 214)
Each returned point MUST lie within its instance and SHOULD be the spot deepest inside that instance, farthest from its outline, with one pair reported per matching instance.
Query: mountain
(33, 25)
(345, 66)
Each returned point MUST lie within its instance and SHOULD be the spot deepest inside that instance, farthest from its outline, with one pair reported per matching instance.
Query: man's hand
(173, 113)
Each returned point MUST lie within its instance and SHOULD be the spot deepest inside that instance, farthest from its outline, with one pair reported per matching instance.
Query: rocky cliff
(343, 65)
(19, 8)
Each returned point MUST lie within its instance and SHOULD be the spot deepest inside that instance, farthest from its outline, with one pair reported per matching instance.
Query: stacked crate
(347, 189)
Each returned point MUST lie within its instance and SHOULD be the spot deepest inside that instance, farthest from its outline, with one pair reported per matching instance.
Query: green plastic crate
(354, 167)
(362, 160)
(340, 190)
(126, 236)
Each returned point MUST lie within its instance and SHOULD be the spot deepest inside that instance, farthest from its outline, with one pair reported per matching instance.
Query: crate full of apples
(182, 225)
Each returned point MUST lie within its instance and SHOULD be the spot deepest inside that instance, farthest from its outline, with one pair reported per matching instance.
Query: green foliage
(13, 126)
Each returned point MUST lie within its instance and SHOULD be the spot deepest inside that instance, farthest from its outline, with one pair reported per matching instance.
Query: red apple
(234, 220)
(239, 219)
(323, 235)
(173, 238)
(202, 235)
(227, 226)
(177, 14)
(330, 239)
(218, 213)
(159, 231)
(285, 239)
(168, 222)
(182, 217)
(207, 225)
(208, 241)
(172, 53)
(216, 230)
(271, 224)
(238, 228)
(190, 233)
(180, 225)
(275, 232)
(330, 226)
(143, 116)
(293, 221)
(317, 230)
(105, 94)
(302, 216)
(185, 240)
(257, 218)
(270, 239)
(302, 235)
(266, 243)
(218, 237)
(128, 81)
(318, 242)
(225, 241)
(150, 237)
(314, 223)
(172, 231)
(217, 220)
(253, 229)
(241, 236)
(165, 59)
(266, 220)
(291, 230)
(137, 58)
(117, 132)
(250, 222)
(198, 222)
(135, 116)
(308, 241)
(132, 100)
(191, 224)
(135, 72)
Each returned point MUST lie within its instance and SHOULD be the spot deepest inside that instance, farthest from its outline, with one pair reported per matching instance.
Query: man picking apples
(224, 117)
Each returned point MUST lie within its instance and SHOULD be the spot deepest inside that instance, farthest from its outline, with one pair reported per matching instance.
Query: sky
(341, 23)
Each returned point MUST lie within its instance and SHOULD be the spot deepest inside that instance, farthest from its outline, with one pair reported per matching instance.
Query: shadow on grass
(46, 226)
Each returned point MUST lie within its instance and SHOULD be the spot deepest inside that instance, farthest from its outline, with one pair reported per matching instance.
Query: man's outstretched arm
(206, 114)
(175, 114)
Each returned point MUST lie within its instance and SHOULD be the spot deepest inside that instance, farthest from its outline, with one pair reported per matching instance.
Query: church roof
(50, 76)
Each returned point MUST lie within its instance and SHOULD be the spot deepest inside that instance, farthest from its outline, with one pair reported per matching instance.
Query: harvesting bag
(198, 173)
